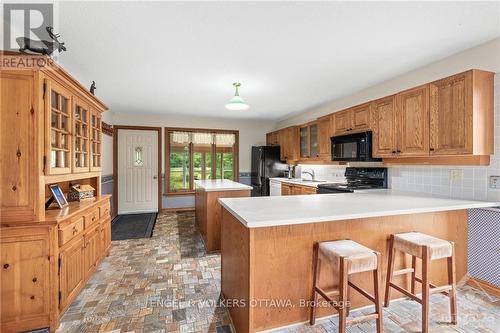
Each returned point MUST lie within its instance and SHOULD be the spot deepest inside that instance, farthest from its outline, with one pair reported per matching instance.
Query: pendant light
(236, 103)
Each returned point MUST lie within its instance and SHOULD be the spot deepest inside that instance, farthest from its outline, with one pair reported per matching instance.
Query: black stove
(357, 179)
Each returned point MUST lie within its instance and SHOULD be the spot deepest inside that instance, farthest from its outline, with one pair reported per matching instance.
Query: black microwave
(353, 147)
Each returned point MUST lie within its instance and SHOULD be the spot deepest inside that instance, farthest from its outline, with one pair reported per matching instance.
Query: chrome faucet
(311, 173)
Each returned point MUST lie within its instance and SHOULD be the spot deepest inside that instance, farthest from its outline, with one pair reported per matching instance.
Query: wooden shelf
(73, 176)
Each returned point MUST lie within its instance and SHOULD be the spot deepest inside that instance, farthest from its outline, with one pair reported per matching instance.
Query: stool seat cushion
(412, 242)
(359, 257)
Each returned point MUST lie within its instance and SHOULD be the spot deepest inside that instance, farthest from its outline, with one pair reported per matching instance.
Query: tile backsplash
(450, 181)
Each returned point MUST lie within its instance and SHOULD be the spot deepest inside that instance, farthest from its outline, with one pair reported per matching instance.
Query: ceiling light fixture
(236, 103)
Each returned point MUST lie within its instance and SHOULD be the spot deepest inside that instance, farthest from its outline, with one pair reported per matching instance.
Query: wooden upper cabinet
(272, 138)
(384, 133)
(309, 141)
(361, 117)
(413, 122)
(324, 135)
(289, 143)
(313, 140)
(343, 122)
(58, 114)
(81, 136)
(451, 119)
(19, 161)
(95, 140)
(304, 142)
(355, 119)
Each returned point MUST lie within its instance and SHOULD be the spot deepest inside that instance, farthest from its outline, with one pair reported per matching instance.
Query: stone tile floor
(168, 283)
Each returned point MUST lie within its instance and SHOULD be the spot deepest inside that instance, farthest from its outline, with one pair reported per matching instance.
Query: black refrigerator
(265, 164)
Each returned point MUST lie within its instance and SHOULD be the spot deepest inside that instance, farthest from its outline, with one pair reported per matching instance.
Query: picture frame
(58, 195)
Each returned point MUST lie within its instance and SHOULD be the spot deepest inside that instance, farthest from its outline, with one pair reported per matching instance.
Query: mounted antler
(52, 35)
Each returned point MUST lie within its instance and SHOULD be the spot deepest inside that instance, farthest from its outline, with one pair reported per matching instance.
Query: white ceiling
(182, 58)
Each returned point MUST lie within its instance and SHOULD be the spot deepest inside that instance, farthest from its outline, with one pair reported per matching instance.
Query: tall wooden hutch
(50, 133)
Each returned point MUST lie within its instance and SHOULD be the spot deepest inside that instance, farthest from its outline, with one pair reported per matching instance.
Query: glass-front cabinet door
(313, 140)
(58, 135)
(81, 136)
(304, 142)
(95, 140)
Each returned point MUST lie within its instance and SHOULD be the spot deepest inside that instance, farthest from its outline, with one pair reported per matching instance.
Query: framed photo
(58, 195)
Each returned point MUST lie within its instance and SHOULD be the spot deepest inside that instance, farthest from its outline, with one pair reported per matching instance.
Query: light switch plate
(495, 182)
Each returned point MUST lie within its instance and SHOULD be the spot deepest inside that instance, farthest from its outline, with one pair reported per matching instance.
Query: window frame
(191, 191)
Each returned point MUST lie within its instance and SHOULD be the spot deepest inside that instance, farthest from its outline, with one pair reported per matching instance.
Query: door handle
(155, 177)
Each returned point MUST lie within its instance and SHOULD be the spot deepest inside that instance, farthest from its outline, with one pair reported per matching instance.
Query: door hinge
(44, 88)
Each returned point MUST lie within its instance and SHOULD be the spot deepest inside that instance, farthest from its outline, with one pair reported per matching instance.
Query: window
(199, 154)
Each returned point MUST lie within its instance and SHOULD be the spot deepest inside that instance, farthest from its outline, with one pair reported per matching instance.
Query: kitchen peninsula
(208, 209)
(267, 243)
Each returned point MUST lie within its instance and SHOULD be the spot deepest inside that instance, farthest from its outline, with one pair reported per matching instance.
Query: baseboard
(483, 285)
(181, 209)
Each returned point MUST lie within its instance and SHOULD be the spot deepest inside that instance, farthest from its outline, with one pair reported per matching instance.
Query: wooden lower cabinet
(28, 278)
(71, 271)
(44, 267)
(295, 189)
(92, 249)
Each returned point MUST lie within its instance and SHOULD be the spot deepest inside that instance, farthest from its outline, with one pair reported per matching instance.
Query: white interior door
(137, 171)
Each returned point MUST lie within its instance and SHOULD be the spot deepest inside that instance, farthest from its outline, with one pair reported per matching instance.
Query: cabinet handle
(32, 297)
(75, 230)
(6, 266)
(398, 151)
(34, 279)
(431, 149)
(394, 152)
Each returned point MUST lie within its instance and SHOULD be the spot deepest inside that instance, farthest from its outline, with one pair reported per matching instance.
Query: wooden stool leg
(425, 289)
(378, 301)
(390, 269)
(343, 279)
(414, 274)
(314, 297)
(452, 281)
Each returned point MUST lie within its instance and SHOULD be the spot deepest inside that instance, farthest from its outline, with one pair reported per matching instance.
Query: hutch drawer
(71, 231)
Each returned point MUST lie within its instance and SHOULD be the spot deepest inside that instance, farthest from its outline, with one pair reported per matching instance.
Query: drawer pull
(93, 218)
(75, 230)
(32, 297)
(6, 266)
(34, 279)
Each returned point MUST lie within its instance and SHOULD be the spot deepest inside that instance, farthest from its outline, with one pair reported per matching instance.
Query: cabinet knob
(32, 297)
(394, 152)
(431, 149)
(5, 266)
(398, 151)
(34, 279)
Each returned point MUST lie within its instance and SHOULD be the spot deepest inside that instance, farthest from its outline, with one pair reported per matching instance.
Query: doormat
(133, 226)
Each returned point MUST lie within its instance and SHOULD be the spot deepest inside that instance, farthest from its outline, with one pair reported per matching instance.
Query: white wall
(251, 132)
(485, 56)
(107, 147)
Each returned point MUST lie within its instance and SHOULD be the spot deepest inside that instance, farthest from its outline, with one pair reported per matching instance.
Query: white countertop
(257, 212)
(299, 181)
(212, 185)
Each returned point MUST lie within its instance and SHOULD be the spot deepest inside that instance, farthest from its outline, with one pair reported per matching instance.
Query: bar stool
(350, 258)
(427, 248)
